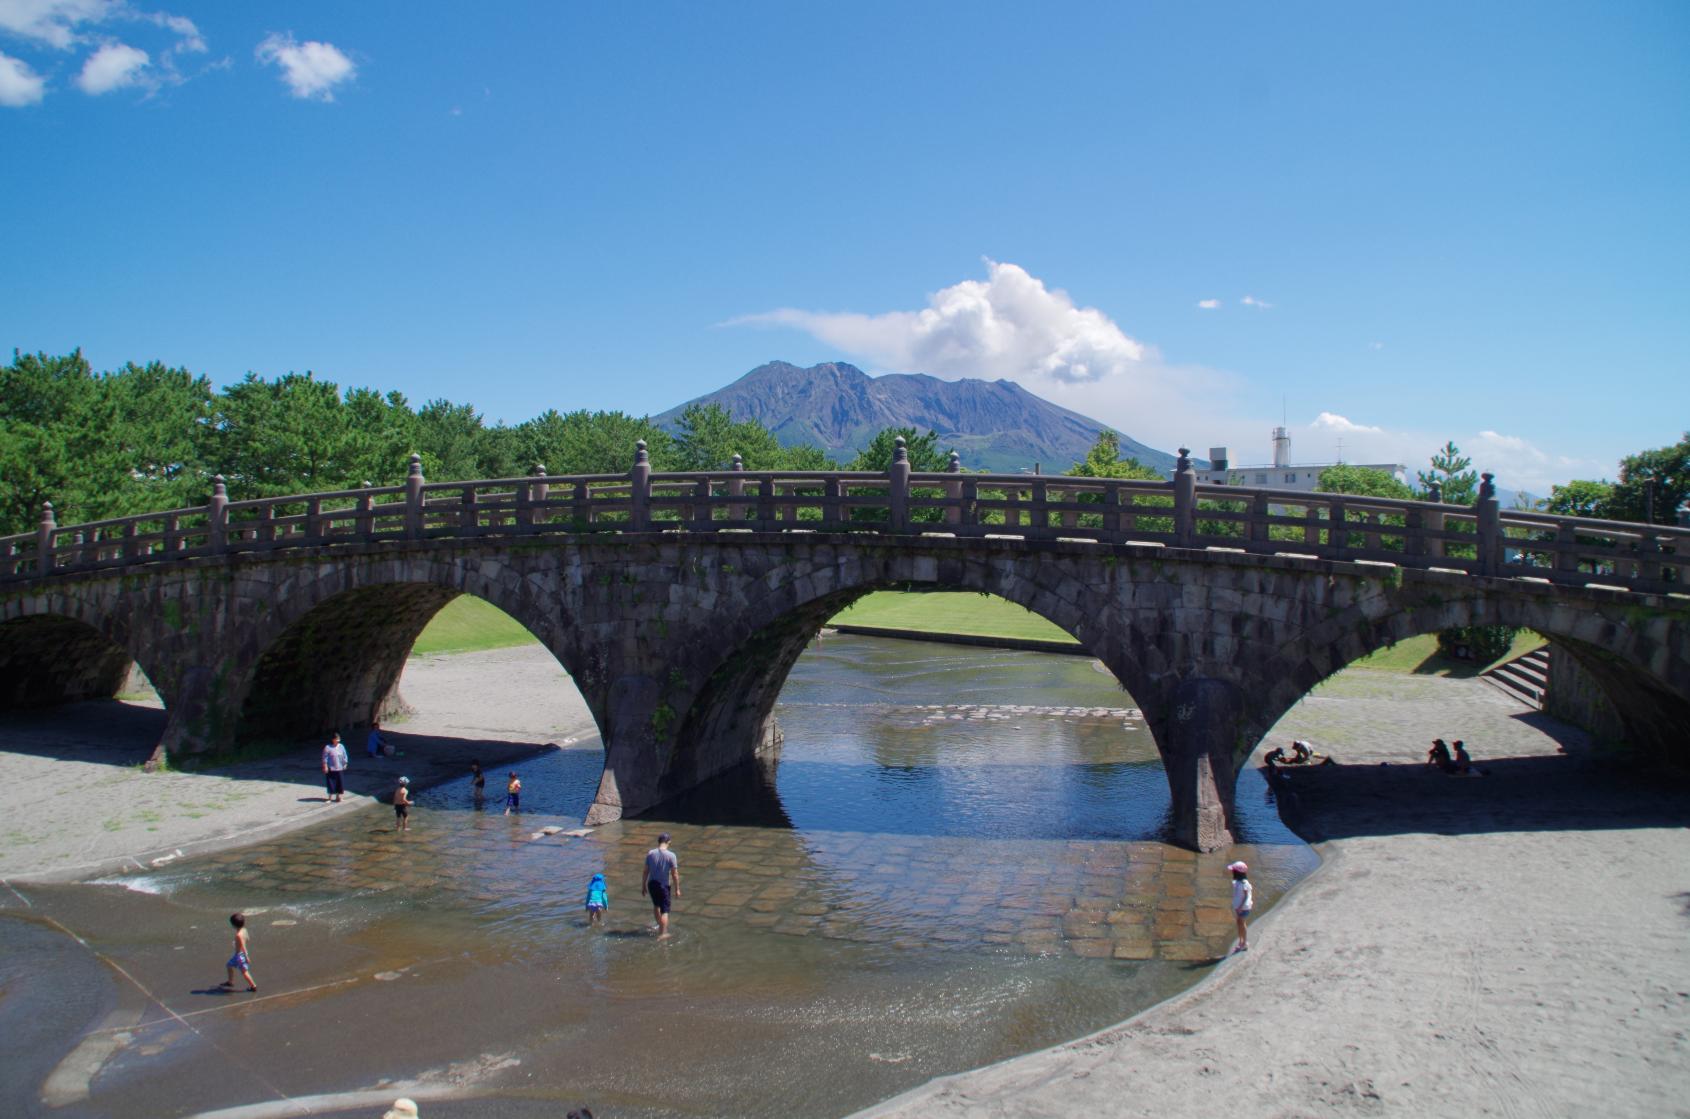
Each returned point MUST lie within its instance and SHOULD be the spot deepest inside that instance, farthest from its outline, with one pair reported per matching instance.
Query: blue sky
(1454, 221)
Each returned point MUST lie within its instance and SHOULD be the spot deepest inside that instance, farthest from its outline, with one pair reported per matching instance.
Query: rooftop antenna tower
(1282, 438)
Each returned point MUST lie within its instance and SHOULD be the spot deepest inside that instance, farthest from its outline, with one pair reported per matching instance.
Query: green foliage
(1580, 499)
(709, 438)
(1668, 468)
(1104, 461)
(585, 442)
(97, 445)
(924, 453)
(1482, 644)
(1453, 470)
(1363, 481)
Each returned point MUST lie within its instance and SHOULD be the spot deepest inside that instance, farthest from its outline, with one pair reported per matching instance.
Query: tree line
(143, 438)
(147, 437)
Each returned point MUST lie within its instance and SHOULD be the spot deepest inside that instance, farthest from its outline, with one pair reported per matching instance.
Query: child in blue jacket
(598, 900)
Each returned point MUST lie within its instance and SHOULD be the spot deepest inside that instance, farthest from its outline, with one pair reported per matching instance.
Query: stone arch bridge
(679, 602)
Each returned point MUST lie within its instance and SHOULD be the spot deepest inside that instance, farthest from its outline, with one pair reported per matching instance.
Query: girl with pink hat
(1243, 900)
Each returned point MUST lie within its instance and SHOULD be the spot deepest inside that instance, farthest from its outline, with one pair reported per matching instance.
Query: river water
(955, 861)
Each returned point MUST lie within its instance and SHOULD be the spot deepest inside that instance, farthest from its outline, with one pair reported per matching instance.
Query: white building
(1281, 473)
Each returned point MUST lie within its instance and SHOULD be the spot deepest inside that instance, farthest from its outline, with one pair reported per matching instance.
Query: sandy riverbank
(76, 804)
(1512, 945)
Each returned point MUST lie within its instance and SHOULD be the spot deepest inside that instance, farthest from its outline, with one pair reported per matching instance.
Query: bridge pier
(1199, 738)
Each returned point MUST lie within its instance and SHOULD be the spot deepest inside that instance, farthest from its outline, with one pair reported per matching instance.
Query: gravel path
(1511, 945)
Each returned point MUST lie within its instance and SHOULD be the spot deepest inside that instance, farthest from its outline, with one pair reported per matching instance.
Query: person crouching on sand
(1243, 900)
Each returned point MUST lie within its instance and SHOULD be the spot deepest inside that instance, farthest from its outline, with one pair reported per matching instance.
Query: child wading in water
(513, 794)
(238, 962)
(402, 805)
(1243, 900)
(598, 900)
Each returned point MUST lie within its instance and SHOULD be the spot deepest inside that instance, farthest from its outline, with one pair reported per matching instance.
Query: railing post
(1259, 532)
(364, 525)
(1433, 523)
(639, 492)
(44, 539)
(538, 493)
(1337, 531)
(1489, 516)
(1566, 549)
(898, 495)
(953, 490)
(833, 505)
(414, 499)
(217, 515)
(1185, 500)
(736, 488)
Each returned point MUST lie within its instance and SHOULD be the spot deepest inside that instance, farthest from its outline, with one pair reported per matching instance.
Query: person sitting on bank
(1276, 756)
(1304, 752)
(1463, 763)
(1438, 756)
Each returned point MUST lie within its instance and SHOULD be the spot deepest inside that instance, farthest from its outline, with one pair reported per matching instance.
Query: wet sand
(76, 804)
(1517, 944)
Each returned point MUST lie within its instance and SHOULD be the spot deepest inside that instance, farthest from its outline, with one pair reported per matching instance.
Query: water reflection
(955, 860)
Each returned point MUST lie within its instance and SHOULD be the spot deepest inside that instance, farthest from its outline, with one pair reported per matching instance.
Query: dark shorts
(513, 800)
(335, 785)
(659, 896)
(401, 810)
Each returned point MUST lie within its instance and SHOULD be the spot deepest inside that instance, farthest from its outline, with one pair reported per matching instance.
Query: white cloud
(1010, 325)
(191, 40)
(19, 85)
(311, 69)
(1209, 304)
(53, 23)
(113, 66)
(1331, 421)
(1258, 304)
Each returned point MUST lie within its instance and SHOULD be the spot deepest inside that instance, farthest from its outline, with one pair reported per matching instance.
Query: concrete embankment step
(1525, 678)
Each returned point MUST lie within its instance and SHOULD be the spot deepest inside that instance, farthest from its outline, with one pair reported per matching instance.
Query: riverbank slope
(75, 802)
(1515, 944)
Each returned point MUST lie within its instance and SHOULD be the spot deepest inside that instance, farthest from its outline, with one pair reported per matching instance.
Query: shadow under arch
(332, 657)
(52, 659)
(1646, 678)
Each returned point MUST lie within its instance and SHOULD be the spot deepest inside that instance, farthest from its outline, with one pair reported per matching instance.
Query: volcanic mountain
(994, 425)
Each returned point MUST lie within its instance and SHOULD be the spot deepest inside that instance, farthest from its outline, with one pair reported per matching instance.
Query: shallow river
(956, 860)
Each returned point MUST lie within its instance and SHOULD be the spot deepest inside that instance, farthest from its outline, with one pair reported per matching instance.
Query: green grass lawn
(468, 624)
(1420, 656)
(950, 612)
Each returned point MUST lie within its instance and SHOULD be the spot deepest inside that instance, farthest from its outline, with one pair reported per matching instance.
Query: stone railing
(1481, 539)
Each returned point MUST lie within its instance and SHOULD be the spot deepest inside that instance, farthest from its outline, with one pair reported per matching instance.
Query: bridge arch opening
(65, 685)
(51, 659)
(1607, 675)
(433, 664)
(906, 694)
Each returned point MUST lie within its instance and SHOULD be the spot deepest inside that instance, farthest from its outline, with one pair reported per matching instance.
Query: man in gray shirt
(662, 881)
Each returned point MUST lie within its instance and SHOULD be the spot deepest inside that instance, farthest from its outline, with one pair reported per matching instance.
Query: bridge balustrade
(1481, 540)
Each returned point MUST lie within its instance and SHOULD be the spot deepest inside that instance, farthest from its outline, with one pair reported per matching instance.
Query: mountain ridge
(993, 425)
